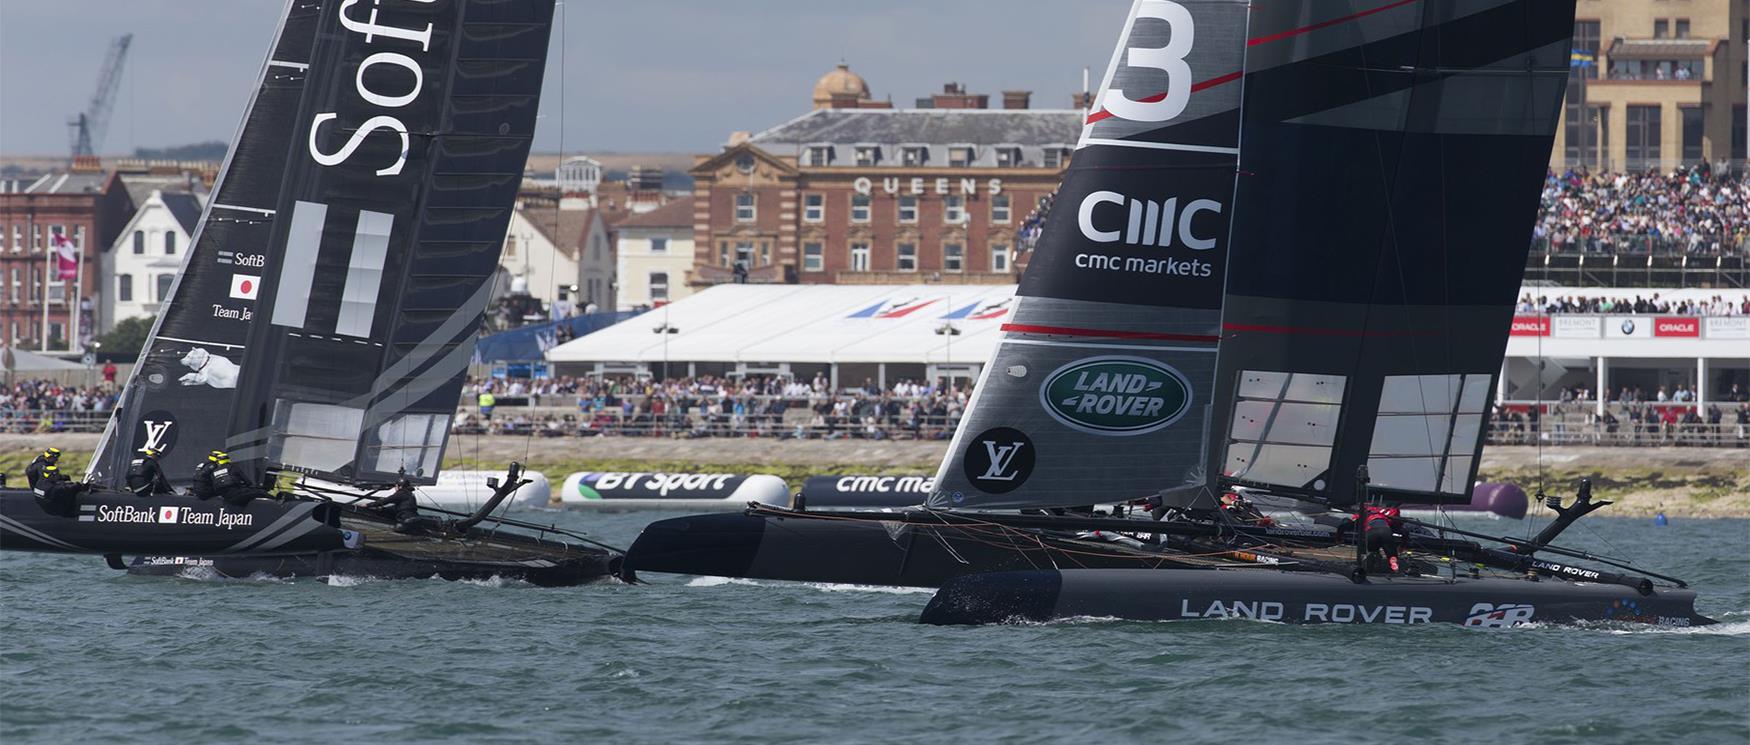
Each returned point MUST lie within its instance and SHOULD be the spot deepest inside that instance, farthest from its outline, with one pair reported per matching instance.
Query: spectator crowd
(34, 405)
(1716, 305)
(1690, 211)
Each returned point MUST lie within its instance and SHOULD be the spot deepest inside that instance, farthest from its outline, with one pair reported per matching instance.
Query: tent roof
(809, 324)
(26, 361)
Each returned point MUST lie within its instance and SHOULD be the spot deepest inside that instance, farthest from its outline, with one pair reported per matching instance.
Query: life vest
(1389, 514)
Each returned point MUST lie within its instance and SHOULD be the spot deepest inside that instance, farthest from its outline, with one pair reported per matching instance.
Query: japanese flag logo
(168, 515)
(244, 286)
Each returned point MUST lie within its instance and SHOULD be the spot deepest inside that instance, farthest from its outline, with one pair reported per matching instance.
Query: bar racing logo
(1116, 396)
(165, 515)
(1505, 615)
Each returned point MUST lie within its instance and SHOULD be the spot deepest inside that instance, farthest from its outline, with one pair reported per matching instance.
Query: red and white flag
(66, 259)
(244, 286)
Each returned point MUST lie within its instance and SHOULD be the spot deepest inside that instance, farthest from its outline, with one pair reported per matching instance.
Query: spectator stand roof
(821, 324)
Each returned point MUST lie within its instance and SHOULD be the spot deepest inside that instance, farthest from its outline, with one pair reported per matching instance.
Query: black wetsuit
(58, 495)
(404, 508)
(34, 471)
(146, 477)
(203, 486)
(234, 488)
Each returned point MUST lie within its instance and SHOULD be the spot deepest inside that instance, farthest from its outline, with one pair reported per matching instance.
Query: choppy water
(87, 654)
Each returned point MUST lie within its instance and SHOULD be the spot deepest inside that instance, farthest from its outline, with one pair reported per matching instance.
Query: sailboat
(322, 324)
(1282, 266)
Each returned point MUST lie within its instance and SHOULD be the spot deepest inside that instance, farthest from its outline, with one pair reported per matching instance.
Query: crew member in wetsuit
(146, 477)
(1379, 527)
(234, 487)
(34, 471)
(57, 494)
(204, 486)
(402, 506)
(1243, 511)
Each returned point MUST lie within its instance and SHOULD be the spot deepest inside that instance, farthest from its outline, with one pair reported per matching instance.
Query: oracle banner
(1672, 326)
(1530, 326)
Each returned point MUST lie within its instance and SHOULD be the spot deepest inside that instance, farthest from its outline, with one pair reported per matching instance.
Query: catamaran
(321, 327)
(1283, 264)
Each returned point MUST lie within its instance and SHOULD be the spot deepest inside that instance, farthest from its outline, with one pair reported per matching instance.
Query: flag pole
(49, 253)
(76, 306)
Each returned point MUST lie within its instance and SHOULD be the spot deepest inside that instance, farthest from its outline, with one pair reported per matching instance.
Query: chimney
(736, 138)
(1013, 100)
(1082, 101)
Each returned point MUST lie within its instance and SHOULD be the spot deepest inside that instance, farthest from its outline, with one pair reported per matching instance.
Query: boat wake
(877, 589)
(720, 581)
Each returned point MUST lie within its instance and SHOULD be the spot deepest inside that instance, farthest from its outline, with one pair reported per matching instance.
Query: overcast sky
(650, 75)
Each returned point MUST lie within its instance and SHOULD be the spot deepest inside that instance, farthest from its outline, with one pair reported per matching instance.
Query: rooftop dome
(839, 82)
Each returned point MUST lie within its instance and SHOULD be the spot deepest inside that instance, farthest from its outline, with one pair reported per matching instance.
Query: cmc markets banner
(867, 491)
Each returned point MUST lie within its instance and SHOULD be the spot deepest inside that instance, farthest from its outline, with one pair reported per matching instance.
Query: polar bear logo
(209, 369)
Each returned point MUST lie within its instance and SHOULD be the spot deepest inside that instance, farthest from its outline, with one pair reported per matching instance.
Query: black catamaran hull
(1270, 595)
(368, 563)
(120, 523)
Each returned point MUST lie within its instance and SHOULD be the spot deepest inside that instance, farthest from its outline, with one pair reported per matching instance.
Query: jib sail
(1390, 176)
(1102, 384)
(179, 396)
(404, 169)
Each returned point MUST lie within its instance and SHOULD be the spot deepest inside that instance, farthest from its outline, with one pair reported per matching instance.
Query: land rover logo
(1116, 396)
(999, 460)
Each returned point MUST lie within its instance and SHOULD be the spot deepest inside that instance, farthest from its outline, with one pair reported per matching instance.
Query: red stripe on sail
(1314, 331)
(1102, 114)
(1106, 333)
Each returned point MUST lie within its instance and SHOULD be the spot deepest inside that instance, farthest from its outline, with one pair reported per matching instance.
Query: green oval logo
(1118, 396)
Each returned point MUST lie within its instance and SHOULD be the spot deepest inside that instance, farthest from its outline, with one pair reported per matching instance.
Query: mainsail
(1101, 386)
(405, 163)
(178, 395)
(1393, 155)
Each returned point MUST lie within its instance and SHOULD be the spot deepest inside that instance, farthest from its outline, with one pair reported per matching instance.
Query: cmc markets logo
(1143, 222)
(1116, 396)
(157, 430)
(999, 460)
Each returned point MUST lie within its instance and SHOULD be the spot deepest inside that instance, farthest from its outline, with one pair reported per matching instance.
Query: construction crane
(87, 127)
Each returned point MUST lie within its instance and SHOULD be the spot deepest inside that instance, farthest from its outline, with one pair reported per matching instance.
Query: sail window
(1426, 434)
(413, 442)
(315, 436)
(1284, 427)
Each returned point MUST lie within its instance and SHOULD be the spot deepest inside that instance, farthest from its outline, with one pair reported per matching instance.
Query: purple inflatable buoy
(1506, 500)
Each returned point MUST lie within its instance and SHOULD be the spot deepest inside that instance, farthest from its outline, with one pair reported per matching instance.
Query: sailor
(34, 471)
(401, 506)
(203, 486)
(231, 485)
(1379, 528)
(146, 477)
(1243, 511)
(57, 494)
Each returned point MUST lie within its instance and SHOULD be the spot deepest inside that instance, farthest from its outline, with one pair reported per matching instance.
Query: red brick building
(86, 205)
(853, 193)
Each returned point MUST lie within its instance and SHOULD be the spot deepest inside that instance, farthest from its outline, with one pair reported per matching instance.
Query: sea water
(92, 655)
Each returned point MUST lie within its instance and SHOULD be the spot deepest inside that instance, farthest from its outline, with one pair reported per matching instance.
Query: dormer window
(868, 155)
(914, 155)
(1008, 156)
(820, 155)
(1056, 156)
(961, 156)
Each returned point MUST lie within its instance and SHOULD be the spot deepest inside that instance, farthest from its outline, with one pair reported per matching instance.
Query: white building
(578, 175)
(655, 252)
(139, 269)
(553, 247)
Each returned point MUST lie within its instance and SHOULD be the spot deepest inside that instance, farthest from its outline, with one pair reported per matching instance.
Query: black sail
(406, 161)
(1391, 161)
(180, 393)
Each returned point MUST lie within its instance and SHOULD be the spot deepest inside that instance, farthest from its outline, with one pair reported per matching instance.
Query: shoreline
(1681, 482)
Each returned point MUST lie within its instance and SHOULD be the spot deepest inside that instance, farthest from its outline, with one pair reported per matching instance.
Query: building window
(1691, 134)
(745, 209)
(908, 209)
(510, 246)
(814, 208)
(813, 257)
(1580, 146)
(17, 288)
(954, 209)
(164, 282)
(17, 238)
(1682, 28)
(169, 243)
(960, 156)
(999, 257)
(1661, 28)
(1008, 157)
(1739, 149)
(859, 208)
(723, 252)
(1056, 157)
(139, 242)
(744, 253)
(1000, 212)
(953, 257)
(868, 155)
(820, 155)
(914, 155)
(859, 257)
(1643, 137)
(906, 257)
(659, 245)
(1586, 42)
(659, 287)
(124, 287)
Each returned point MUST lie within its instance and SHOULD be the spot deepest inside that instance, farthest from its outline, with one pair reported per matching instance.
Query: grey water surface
(92, 655)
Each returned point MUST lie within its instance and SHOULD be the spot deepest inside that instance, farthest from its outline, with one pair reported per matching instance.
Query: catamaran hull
(1270, 595)
(122, 523)
(804, 548)
(365, 563)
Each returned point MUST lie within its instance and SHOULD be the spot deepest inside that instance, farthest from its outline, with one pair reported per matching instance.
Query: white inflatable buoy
(619, 490)
(466, 491)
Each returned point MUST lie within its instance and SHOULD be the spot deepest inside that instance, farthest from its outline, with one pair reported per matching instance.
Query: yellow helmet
(51, 469)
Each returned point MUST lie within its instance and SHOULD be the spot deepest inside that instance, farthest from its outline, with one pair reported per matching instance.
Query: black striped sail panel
(1392, 155)
(405, 160)
(180, 394)
(1101, 387)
